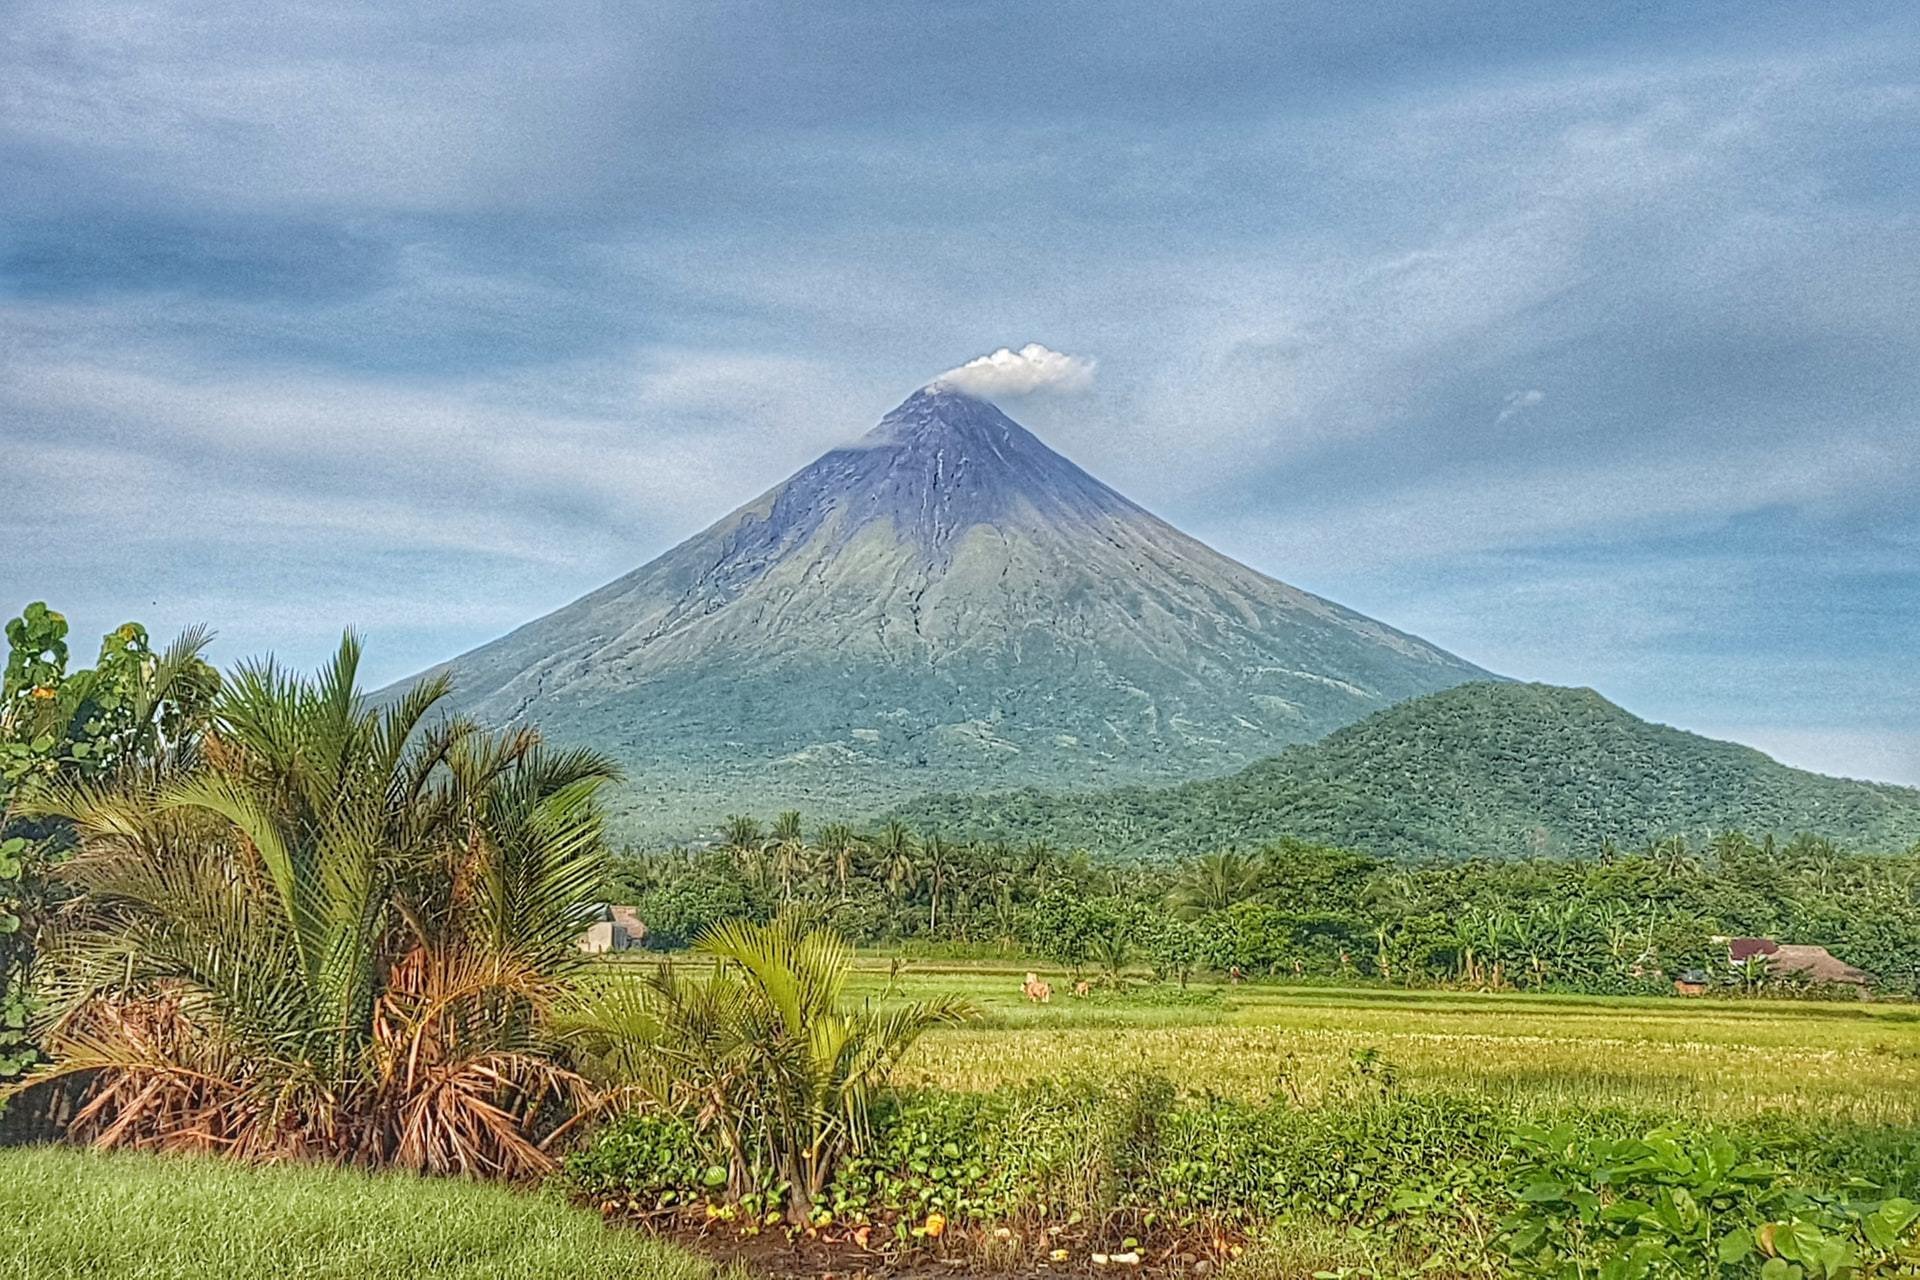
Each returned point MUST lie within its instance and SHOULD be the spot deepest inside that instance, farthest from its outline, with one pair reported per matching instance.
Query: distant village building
(1795, 960)
(613, 928)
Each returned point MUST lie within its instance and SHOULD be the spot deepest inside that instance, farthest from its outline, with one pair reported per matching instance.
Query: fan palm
(763, 1050)
(336, 935)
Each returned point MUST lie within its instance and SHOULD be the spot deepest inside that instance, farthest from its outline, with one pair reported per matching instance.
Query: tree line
(1617, 920)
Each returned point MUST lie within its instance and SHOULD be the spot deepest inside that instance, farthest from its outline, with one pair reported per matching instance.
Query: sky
(1579, 339)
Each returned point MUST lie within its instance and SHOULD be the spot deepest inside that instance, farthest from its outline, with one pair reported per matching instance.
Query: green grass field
(67, 1213)
(1714, 1058)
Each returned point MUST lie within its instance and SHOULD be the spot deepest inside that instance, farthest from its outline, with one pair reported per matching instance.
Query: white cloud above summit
(1007, 372)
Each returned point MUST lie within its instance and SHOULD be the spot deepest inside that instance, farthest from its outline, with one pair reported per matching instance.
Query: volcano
(944, 605)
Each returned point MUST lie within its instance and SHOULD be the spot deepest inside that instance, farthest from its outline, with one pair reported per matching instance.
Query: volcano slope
(944, 605)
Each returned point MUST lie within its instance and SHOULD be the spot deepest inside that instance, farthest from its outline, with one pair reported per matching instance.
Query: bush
(651, 1159)
(1458, 1182)
(1685, 1204)
(678, 912)
(1134, 1149)
(978, 1157)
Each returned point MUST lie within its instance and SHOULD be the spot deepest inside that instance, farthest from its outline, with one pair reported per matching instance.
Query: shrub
(978, 1157)
(776, 1069)
(1687, 1204)
(651, 1159)
(1456, 1182)
(1130, 1150)
(334, 932)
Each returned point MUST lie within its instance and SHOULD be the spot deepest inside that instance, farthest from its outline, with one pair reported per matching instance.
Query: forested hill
(1482, 769)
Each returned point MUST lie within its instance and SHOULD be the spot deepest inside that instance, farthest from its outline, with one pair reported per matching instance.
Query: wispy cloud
(1519, 402)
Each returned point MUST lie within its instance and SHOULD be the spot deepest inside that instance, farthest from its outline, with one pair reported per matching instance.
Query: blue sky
(1580, 339)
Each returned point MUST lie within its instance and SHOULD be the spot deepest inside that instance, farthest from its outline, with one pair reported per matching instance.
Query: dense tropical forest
(1496, 770)
(1615, 921)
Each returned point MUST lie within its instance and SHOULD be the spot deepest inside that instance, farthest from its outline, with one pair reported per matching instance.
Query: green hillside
(1500, 770)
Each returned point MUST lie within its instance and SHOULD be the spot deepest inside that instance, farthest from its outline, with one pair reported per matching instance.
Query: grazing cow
(1083, 988)
(1037, 991)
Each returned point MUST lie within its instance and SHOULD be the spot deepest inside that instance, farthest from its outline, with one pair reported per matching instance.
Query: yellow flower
(936, 1223)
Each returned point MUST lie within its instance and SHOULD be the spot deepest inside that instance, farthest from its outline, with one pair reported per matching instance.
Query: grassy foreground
(66, 1213)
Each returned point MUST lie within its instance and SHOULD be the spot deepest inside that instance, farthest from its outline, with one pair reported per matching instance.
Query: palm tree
(132, 708)
(763, 1051)
(895, 848)
(743, 839)
(789, 851)
(1002, 864)
(1212, 883)
(938, 856)
(1113, 952)
(1037, 860)
(838, 844)
(1675, 858)
(338, 934)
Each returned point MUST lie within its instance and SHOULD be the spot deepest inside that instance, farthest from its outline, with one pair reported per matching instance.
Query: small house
(1796, 960)
(612, 928)
(628, 918)
(1814, 964)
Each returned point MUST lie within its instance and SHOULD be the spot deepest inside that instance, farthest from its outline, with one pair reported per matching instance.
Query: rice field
(1709, 1059)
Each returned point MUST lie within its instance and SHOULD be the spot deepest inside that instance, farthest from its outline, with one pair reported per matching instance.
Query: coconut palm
(1112, 952)
(762, 1051)
(895, 850)
(338, 934)
(1212, 883)
(937, 855)
(789, 849)
(840, 847)
(747, 844)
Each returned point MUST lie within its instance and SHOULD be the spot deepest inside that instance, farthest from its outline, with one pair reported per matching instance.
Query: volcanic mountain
(945, 604)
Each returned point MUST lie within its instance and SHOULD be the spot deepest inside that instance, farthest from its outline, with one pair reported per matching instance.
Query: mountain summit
(945, 604)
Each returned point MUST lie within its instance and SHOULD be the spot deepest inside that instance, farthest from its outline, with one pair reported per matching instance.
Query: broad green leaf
(1798, 1241)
